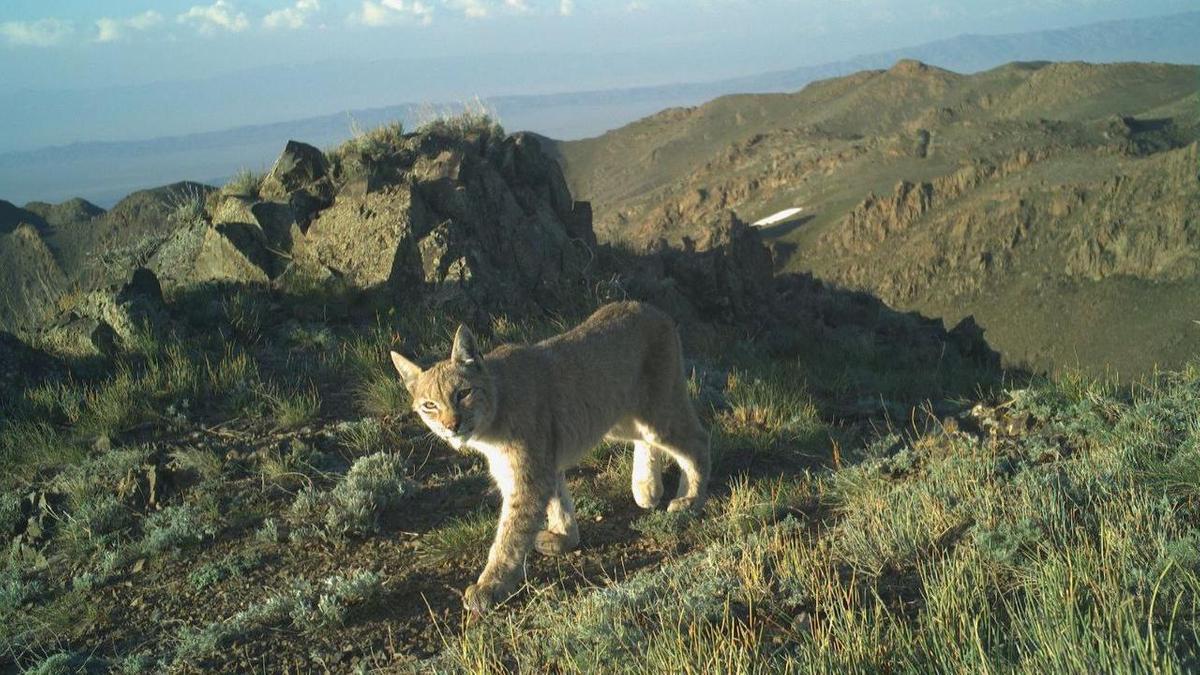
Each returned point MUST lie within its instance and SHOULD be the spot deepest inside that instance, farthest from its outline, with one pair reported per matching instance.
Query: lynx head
(456, 397)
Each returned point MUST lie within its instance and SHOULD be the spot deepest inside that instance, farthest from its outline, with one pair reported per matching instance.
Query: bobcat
(534, 410)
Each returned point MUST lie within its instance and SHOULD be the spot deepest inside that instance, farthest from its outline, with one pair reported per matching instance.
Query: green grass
(1058, 532)
(955, 553)
(462, 538)
(292, 409)
(304, 605)
(245, 183)
(374, 485)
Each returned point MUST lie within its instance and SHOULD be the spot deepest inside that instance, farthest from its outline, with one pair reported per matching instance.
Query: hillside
(207, 463)
(1045, 199)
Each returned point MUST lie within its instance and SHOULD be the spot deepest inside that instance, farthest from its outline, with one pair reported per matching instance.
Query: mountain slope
(1072, 183)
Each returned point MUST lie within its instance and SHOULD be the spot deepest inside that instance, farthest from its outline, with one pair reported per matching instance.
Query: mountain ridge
(939, 192)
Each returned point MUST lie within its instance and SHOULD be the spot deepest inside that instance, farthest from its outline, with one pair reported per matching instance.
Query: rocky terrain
(203, 443)
(207, 463)
(1044, 199)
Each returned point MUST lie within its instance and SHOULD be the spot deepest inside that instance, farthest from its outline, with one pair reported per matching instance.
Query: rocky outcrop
(727, 275)
(454, 217)
(200, 254)
(371, 240)
(1144, 224)
(108, 320)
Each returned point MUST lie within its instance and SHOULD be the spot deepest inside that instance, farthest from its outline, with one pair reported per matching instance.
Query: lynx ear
(464, 353)
(407, 369)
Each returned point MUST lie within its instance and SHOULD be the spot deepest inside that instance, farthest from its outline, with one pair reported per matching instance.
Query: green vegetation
(1060, 549)
(1048, 526)
(245, 183)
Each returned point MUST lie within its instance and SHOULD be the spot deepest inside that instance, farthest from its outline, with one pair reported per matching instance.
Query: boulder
(300, 179)
(199, 254)
(234, 218)
(108, 320)
(371, 240)
(299, 166)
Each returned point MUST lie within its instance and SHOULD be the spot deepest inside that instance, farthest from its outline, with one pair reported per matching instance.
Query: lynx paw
(553, 543)
(481, 597)
(693, 504)
(647, 493)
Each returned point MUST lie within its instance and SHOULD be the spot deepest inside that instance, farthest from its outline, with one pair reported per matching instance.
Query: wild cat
(534, 410)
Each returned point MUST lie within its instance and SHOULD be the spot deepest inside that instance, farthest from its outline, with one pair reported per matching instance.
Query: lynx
(535, 410)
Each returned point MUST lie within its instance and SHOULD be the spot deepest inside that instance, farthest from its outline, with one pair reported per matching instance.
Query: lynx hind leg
(562, 530)
(690, 450)
(647, 474)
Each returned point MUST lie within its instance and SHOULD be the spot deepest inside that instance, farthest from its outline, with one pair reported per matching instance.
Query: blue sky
(91, 43)
(114, 70)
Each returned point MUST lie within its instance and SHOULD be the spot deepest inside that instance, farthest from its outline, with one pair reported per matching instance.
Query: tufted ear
(464, 353)
(408, 370)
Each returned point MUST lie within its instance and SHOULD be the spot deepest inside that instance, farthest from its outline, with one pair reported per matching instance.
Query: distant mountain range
(1057, 203)
(104, 172)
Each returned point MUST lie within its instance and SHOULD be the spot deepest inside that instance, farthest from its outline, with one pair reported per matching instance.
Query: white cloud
(472, 9)
(110, 30)
(293, 17)
(393, 12)
(219, 16)
(41, 33)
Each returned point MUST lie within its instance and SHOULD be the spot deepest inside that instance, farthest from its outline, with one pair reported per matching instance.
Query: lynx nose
(451, 423)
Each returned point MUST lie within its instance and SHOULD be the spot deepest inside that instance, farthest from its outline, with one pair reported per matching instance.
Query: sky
(55, 53)
(53, 44)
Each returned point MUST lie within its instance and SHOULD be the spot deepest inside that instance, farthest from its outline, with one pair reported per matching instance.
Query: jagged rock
(143, 286)
(280, 227)
(371, 240)
(468, 216)
(300, 179)
(728, 274)
(106, 321)
(299, 166)
(579, 224)
(967, 336)
(200, 254)
(234, 218)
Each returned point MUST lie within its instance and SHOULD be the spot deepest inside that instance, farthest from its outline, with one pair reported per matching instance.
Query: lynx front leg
(521, 517)
(647, 475)
(562, 531)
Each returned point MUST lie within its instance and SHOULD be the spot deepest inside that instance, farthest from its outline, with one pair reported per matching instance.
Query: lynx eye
(463, 394)
(429, 405)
